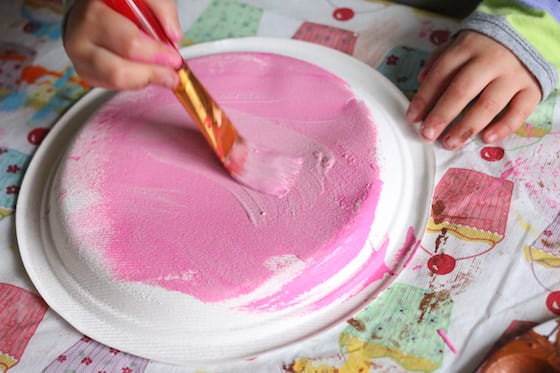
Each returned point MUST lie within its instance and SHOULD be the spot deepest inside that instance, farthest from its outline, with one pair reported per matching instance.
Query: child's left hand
(473, 67)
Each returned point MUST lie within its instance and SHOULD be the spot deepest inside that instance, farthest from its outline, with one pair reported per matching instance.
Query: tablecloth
(486, 268)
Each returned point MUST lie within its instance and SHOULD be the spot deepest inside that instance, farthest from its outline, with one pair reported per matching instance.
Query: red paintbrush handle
(140, 13)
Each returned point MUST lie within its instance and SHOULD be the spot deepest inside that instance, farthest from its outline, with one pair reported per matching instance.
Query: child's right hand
(110, 51)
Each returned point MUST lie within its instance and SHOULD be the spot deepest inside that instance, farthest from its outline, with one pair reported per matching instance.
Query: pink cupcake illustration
(543, 256)
(469, 215)
(21, 312)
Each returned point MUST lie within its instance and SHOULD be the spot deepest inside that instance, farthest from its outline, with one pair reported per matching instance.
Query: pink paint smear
(166, 214)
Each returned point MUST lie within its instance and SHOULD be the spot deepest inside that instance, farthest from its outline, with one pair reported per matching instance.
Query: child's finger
(166, 12)
(435, 81)
(121, 74)
(468, 83)
(129, 42)
(519, 109)
(482, 112)
(430, 61)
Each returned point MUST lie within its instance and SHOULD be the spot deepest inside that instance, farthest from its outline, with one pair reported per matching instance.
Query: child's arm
(507, 57)
(109, 51)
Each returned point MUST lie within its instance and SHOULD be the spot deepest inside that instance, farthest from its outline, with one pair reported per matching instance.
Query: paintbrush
(263, 169)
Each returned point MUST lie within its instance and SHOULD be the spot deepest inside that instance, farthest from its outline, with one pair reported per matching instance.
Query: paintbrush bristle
(263, 169)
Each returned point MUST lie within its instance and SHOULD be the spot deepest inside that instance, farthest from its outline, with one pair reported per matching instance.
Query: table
(485, 269)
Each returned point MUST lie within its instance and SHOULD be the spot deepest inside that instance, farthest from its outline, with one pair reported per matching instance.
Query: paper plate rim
(31, 203)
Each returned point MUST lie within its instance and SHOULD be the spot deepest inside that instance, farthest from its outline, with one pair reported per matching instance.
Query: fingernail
(415, 109)
(176, 34)
(491, 137)
(170, 81)
(175, 57)
(429, 133)
(451, 142)
(411, 115)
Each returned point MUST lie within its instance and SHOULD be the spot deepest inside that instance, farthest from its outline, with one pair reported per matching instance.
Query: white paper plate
(189, 335)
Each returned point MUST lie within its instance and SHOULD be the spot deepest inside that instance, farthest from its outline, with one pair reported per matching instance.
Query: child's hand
(473, 66)
(110, 51)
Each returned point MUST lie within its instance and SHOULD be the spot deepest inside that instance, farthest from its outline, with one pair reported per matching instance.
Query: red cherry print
(439, 37)
(343, 14)
(553, 302)
(392, 60)
(441, 264)
(30, 27)
(12, 189)
(37, 135)
(492, 153)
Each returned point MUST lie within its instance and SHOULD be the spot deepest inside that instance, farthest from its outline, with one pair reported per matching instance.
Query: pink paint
(409, 248)
(166, 214)
(373, 270)
(447, 341)
(324, 267)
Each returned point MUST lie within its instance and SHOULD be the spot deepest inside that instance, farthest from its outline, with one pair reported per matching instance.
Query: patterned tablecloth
(486, 267)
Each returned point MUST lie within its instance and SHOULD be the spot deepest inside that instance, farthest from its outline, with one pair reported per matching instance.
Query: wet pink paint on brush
(173, 218)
